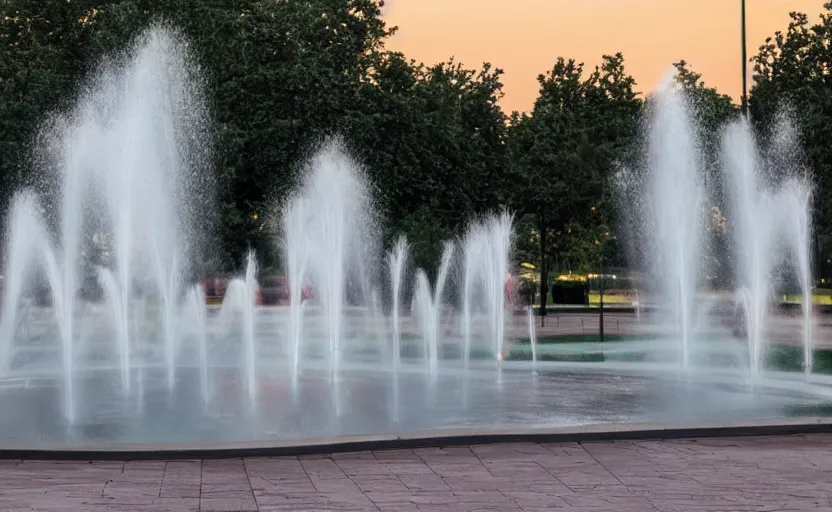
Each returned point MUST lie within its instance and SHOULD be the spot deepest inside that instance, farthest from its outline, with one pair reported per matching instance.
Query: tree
(39, 45)
(433, 140)
(281, 76)
(793, 72)
(712, 110)
(564, 155)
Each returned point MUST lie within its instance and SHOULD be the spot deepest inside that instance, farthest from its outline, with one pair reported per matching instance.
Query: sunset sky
(524, 37)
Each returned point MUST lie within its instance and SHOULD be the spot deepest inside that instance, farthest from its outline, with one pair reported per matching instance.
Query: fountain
(127, 138)
(766, 218)
(119, 315)
(105, 337)
(397, 260)
(238, 309)
(676, 197)
(796, 207)
(429, 305)
(296, 252)
(498, 235)
(486, 249)
(532, 332)
(785, 159)
(249, 302)
(26, 243)
(473, 248)
(195, 305)
(754, 219)
(324, 232)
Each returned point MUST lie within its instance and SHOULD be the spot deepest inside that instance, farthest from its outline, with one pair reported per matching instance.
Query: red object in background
(214, 287)
(305, 293)
(509, 289)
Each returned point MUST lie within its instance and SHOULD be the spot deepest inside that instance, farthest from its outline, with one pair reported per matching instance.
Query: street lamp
(601, 299)
(602, 282)
(744, 61)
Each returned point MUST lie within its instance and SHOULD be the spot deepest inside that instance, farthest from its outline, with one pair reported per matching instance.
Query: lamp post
(602, 282)
(601, 298)
(744, 60)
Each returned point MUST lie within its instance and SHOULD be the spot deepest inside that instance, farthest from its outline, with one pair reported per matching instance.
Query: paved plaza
(785, 328)
(775, 473)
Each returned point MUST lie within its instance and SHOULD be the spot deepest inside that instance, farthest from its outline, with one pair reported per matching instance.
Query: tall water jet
(148, 163)
(129, 150)
(396, 260)
(114, 298)
(378, 325)
(238, 308)
(785, 159)
(532, 332)
(486, 252)
(27, 242)
(296, 250)
(250, 303)
(195, 305)
(498, 231)
(120, 189)
(422, 308)
(337, 223)
(676, 198)
(796, 214)
(429, 307)
(168, 284)
(473, 247)
(63, 276)
(754, 230)
(438, 295)
(331, 265)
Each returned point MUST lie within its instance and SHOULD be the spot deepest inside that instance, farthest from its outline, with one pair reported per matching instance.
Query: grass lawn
(820, 297)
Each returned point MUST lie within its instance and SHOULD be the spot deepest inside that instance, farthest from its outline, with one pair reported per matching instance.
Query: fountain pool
(146, 360)
(375, 401)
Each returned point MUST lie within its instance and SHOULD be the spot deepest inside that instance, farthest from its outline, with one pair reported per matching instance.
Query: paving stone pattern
(733, 474)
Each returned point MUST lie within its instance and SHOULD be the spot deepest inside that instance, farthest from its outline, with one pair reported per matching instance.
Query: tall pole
(601, 301)
(744, 62)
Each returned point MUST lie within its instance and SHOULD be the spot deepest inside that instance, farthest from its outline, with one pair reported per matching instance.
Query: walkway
(784, 328)
(733, 474)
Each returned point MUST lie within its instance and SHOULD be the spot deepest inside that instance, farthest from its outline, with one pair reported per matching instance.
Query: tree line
(437, 147)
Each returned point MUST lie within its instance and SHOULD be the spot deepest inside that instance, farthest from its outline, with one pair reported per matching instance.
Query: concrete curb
(426, 439)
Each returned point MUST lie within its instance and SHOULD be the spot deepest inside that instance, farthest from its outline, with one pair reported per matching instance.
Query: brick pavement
(724, 474)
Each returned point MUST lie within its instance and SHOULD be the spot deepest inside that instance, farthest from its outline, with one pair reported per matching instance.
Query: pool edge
(422, 439)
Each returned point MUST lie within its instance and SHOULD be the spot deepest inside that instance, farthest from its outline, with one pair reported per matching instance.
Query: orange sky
(524, 37)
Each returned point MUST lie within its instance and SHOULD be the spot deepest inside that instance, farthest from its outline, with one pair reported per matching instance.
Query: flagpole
(744, 61)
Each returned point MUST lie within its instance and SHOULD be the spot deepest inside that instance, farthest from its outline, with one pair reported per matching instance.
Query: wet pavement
(717, 474)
